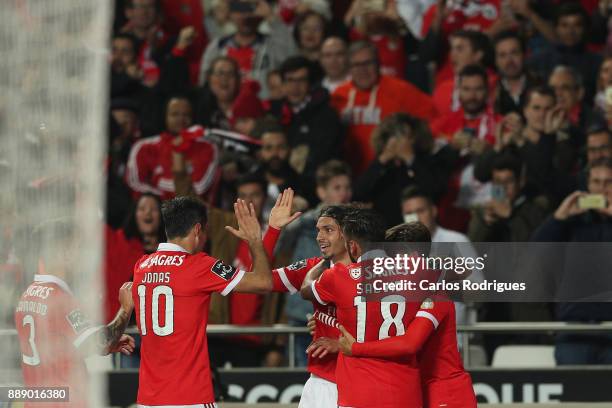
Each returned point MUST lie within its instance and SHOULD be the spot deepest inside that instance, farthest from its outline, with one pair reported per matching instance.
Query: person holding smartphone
(510, 214)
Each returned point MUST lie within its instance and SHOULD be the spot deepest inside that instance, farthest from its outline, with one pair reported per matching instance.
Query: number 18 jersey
(171, 293)
(370, 382)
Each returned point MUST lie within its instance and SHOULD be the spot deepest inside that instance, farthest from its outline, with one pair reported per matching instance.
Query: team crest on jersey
(223, 270)
(427, 304)
(297, 265)
(77, 321)
(355, 273)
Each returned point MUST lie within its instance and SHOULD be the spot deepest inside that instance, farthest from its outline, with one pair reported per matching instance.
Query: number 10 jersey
(171, 293)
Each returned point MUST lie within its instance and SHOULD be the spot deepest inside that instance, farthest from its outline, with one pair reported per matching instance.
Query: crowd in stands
(422, 107)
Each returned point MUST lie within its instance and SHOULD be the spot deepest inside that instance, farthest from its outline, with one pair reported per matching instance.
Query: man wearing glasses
(368, 98)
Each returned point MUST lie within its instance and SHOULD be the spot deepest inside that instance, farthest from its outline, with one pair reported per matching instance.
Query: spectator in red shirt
(370, 97)
(150, 163)
(471, 130)
(141, 233)
(255, 53)
(380, 26)
(466, 48)
(143, 22)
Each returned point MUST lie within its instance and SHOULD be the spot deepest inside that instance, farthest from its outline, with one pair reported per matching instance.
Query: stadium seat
(524, 356)
(478, 356)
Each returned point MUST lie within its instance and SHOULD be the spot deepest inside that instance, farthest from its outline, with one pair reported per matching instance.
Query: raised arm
(280, 217)
(259, 280)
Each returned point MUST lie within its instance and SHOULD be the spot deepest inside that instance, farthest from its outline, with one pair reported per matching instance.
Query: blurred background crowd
(487, 120)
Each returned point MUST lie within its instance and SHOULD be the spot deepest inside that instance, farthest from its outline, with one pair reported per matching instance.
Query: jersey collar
(170, 247)
(52, 279)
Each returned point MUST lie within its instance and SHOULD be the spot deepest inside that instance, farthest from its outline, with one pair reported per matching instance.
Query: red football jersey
(289, 279)
(370, 382)
(51, 327)
(445, 381)
(171, 295)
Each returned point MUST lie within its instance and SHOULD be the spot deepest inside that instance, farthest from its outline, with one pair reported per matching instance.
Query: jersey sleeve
(289, 278)
(323, 288)
(434, 311)
(78, 328)
(270, 239)
(214, 275)
(427, 320)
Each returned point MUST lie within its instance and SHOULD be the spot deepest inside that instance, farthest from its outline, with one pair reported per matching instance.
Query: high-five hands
(248, 225)
(281, 216)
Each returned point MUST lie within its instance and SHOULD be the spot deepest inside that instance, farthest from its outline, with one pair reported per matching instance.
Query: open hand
(248, 225)
(281, 216)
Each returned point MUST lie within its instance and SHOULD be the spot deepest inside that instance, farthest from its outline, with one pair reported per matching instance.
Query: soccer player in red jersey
(320, 390)
(171, 292)
(54, 333)
(367, 382)
(431, 335)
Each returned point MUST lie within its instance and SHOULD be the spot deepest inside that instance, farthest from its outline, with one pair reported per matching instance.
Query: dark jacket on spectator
(504, 103)
(382, 184)
(590, 227)
(526, 215)
(314, 132)
(583, 61)
(548, 165)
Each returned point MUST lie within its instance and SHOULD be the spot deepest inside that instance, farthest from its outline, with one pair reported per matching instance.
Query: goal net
(53, 103)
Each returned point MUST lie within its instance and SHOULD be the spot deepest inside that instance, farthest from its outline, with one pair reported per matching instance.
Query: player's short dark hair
(296, 63)
(363, 225)
(411, 232)
(508, 161)
(543, 90)
(330, 169)
(181, 214)
(252, 178)
(600, 162)
(472, 71)
(337, 212)
(415, 191)
(509, 35)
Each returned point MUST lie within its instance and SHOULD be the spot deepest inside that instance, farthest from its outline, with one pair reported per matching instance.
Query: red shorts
(456, 392)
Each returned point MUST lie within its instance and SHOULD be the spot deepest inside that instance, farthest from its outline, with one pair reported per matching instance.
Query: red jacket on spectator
(446, 98)
(184, 13)
(362, 111)
(484, 125)
(149, 167)
(120, 257)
